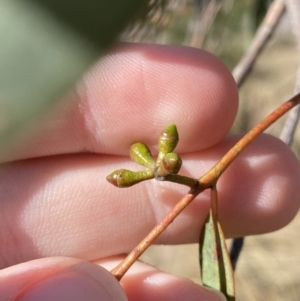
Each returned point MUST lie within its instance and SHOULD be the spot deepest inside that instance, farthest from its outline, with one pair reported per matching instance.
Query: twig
(262, 36)
(206, 181)
(293, 9)
(123, 267)
(243, 69)
(214, 173)
(287, 134)
(201, 22)
(288, 131)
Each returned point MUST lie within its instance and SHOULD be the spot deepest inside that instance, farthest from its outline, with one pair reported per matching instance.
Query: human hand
(58, 203)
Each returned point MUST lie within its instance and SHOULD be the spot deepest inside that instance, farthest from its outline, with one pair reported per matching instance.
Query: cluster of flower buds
(167, 163)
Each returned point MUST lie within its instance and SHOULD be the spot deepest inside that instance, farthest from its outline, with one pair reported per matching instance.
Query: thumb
(58, 279)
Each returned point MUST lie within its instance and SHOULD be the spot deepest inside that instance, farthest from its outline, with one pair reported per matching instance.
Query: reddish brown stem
(206, 181)
(214, 202)
(123, 267)
(212, 176)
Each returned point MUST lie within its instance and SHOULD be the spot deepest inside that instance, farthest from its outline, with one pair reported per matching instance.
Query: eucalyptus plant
(165, 168)
(216, 268)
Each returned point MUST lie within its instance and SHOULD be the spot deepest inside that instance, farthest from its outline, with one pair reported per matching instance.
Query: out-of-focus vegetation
(222, 27)
(226, 29)
(46, 46)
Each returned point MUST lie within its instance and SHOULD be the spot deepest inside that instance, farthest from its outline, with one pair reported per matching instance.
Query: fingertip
(60, 281)
(266, 194)
(144, 88)
(162, 286)
(131, 95)
(145, 282)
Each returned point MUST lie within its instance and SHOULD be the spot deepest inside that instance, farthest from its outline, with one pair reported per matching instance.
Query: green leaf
(216, 269)
(46, 45)
(97, 21)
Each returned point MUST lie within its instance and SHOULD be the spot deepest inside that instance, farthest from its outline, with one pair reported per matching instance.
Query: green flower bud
(126, 178)
(140, 153)
(170, 164)
(167, 141)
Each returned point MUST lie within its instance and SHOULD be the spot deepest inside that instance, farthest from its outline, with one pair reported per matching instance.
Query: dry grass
(269, 268)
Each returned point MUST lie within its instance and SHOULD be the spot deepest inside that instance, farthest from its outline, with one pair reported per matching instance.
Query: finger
(144, 282)
(59, 279)
(64, 206)
(131, 95)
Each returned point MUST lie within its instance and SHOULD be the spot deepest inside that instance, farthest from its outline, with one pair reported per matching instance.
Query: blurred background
(269, 266)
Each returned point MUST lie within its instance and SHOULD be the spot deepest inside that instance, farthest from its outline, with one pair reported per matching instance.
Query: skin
(56, 205)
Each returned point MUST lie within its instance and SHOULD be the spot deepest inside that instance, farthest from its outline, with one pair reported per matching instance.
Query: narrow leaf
(46, 46)
(216, 269)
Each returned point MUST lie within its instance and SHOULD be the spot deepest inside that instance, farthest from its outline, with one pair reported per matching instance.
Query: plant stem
(123, 267)
(208, 180)
(212, 176)
(263, 34)
(191, 182)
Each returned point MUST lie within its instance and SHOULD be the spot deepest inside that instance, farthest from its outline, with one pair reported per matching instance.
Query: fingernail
(68, 286)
